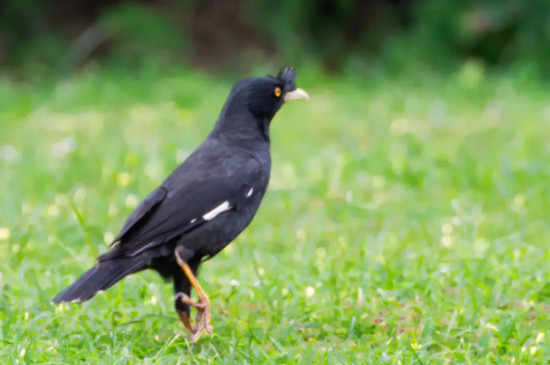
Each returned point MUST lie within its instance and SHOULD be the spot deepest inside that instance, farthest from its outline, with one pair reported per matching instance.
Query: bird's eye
(278, 92)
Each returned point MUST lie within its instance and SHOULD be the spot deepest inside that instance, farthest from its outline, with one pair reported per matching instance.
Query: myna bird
(202, 206)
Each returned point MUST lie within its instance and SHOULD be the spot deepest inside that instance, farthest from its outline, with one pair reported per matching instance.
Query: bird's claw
(202, 326)
(186, 299)
(202, 321)
(203, 310)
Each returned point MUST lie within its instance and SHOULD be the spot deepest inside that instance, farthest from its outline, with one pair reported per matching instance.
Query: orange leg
(202, 321)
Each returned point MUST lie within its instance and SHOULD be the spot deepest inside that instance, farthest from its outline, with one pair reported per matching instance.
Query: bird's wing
(147, 206)
(186, 201)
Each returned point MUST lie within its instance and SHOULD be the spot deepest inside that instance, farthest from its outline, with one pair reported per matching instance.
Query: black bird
(202, 206)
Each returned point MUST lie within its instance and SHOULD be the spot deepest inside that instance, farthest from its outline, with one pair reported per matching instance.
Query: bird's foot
(202, 323)
(186, 299)
(202, 320)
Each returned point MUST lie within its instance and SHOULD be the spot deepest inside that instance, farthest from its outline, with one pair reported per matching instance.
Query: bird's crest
(287, 75)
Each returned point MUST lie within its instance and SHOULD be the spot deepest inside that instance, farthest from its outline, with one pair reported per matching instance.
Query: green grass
(406, 222)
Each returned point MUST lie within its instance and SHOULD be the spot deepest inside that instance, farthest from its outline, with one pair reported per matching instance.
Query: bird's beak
(297, 94)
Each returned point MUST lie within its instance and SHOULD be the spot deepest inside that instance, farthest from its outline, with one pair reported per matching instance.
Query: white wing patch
(249, 192)
(193, 220)
(223, 207)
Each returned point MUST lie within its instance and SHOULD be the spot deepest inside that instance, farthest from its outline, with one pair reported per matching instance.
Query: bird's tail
(99, 278)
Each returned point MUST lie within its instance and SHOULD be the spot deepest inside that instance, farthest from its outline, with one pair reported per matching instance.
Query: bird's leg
(184, 318)
(202, 305)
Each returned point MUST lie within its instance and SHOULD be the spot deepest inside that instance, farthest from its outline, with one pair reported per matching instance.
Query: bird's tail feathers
(99, 278)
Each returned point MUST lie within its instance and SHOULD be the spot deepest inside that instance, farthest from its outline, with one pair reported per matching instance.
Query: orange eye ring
(278, 92)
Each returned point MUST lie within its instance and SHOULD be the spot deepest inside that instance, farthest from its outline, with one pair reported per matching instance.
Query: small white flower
(108, 237)
(123, 179)
(5, 233)
(79, 195)
(26, 208)
(234, 282)
(131, 201)
(301, 234)
(360, 299)
(447, 229)
(9, 153)
(53, 210)
(61, 307)
(349, 196)
(400, 126)
(491, 327)
(113, 210)
(310, 291)
(519, 200)
(63, 147)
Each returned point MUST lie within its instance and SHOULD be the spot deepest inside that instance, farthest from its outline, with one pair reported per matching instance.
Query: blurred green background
(406, 221)
(38, 36)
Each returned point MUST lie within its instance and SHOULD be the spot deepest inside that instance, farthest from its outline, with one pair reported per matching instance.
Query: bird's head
(268, 94)
(260, 98)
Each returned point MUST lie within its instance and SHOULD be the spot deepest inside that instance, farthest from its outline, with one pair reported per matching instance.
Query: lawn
(406, 221)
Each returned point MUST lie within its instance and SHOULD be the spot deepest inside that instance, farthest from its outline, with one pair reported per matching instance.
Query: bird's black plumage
(206, 202)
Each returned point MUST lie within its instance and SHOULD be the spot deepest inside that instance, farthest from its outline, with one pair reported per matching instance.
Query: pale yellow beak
(297, 94)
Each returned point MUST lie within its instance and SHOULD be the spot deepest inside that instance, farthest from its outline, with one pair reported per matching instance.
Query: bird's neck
(242, 129)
